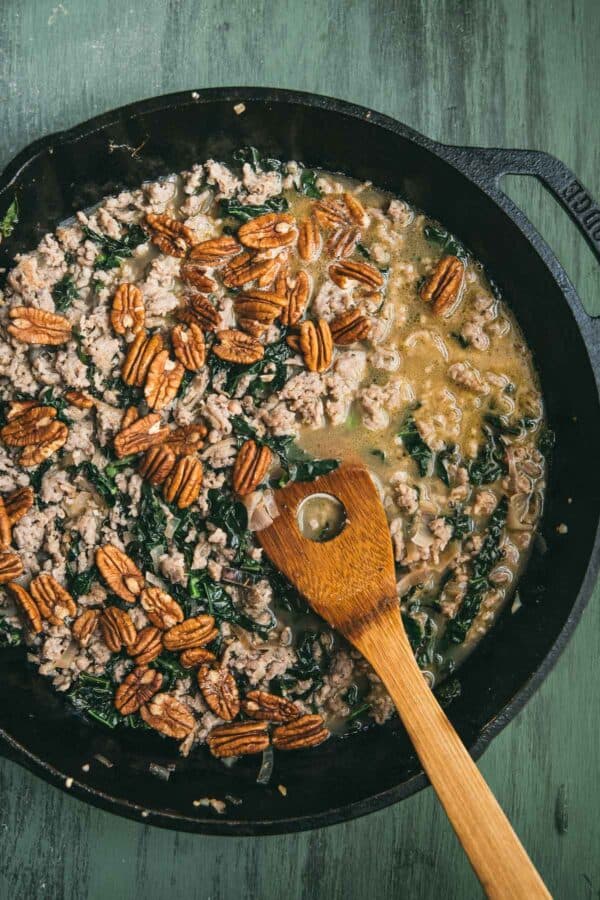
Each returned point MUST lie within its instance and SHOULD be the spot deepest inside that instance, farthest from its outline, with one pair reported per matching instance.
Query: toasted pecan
(349, 327)
(18, 503)
(5, 527)
(251, 465)
(163, 380)
(117, 628)
(194, 632)
(200, 310)
(214, 253)
(306, 731)
(331, 213)
(344, 272)
(236, 347)
(196, 656)
(297, 297)
(119, 572)
(187, 438)
(170, 236)
(137, 688)
(309, 239)
(259, 306)
(156, 463)
(220, 691)
(444, 285)
(182, 485)
(266, 707)
(52, 599)
(342, 242)
(130, 416)
(167, 714)
(80, 399)
(161, 609)
(27, 605)
(240, 739)
(11, 566)
(85, 625)
(30, 325)
(34, 454)
(147, 646)
(141, 435)
(33, 426)
(268, 231)
(316, 345)
(189, 346)
(128, 312)
(139, 356)
(356, 210)
(246, 268)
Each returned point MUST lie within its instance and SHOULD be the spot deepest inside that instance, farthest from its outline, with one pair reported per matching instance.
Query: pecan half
(196, 656)
(260, 306)
(137, 361)
(194, 632)
(119, 572)
(189, 346)
(269, 707)
(356, 210)
(349, 327)
(342, 242)
(170, 236)
(307, 731)
(345, 272)
(293, 341)
(246, 268)
(80, 399)
(168, 715)
(163, 380)
(117, 628)
(34, 454)
(27, 605)
(444, 285)
(84, 626)
(236, 347)
(268, 231)
(251, 465)
(183, 483)
(196, 278)
(128, 312)
(137, 688)
(130, 416)
(330, 213)
(18, 407)
(161, 609)
(33, 426)
(297, 299)
(309, 239)
(10, 566)
(38, 326)
(220, 691)
(316, 345)
(5, 527)
(148, 645)
(52, 599)
(252, 327)
(187, 438)
(144, 433)
(215, 252)
(18, 503)
(156, 463)
(241, 739)
(200, 310)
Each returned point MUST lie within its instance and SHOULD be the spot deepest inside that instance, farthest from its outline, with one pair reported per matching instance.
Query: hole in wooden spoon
(321, 517)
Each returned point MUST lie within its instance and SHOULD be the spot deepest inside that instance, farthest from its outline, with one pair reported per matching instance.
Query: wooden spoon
(350, 581)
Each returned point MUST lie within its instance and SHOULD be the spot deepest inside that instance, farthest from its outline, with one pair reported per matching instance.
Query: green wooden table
(499, 72)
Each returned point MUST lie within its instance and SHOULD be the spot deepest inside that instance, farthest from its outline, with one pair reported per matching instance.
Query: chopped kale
(10, 219)
(207, 596)
(459, 339)
(479, 583)
(170, 668)
(103, 483)
(443, 459)
(363, 251)
(58, 401)
(78, 583)
(275, 355)
(128, 394)
(244, 213)
(64, 292)
(10, 636)
(259, 163)
(148, 529)
(489, 464)
(115, 465)
(114, 250)
(435, 234)
(284, 593)
(415, 446)
(35, 477)
(461, 523)
(308, 184)
(230, 516)
(421, 639)
(307, 667)
(94, 695)
(296, 463)
(187, 379)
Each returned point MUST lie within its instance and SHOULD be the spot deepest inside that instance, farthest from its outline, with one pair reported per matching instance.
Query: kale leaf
(148, 529)
(10, 219)
(479, 582)
(208, 596)
(78, 583)
(461, 523)
(275, 355)
(64, 292)
(103, 483)
(297, 464)
(237, 210)
(94, 695)
(489, 464)
(435, 234)
(308, 184)
(259, 163)
(415, 446)
(114, 250)
(10, 636)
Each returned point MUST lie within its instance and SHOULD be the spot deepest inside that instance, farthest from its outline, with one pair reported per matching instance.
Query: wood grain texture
(488, 72)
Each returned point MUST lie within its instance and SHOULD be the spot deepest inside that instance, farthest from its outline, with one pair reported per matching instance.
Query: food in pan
(170, 356)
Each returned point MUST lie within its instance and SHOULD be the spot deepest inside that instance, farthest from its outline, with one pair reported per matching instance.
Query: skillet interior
(339, 779)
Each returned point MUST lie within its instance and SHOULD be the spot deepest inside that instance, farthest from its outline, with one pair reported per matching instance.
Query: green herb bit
(244, 213)
(35, 477)
(114, 250)
(435, 234)
(380, 454)
(10, 635)
(461, 524)
(489, 464)
(104, 484)
(308, 184)
(259, 163)
(10, 219)
(64, 292)
(415, 446)
(94, 695)
(479, 582)
(208, 596)
(363, 251)
(359, 711)
(170, 668)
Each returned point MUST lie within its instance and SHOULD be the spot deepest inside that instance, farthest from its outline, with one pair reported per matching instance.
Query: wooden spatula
(350, 581)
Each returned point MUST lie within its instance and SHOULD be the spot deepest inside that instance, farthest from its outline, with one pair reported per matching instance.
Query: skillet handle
(563, 184)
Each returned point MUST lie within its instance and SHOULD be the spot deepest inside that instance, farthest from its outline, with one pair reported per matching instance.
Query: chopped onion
(266, 768)
(261, 508)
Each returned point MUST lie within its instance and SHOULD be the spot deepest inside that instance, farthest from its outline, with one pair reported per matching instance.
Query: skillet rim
(467, 162)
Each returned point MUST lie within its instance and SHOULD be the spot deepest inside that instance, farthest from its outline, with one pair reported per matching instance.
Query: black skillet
(342, 779)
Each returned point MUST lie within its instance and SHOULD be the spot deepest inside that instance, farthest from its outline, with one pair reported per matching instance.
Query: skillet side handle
(563, 184)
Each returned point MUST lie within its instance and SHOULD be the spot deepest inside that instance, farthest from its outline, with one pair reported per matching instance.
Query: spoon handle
(494, 850)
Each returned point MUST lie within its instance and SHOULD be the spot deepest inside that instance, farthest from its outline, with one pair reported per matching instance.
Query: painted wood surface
(488, 72)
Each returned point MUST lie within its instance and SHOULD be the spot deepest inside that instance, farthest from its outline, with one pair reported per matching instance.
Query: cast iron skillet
(341, 779)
